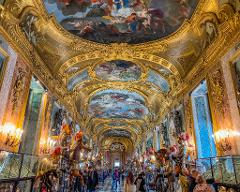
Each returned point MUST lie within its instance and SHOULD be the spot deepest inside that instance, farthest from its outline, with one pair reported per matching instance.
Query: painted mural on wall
(72, 70)
(117, 104)
(118, 71)
(236, 66)
(56, 119)
(203, 122)
(117, 133)
(149, 143)
(2, 63)
(165, 140)
(206, 145)
(158, 80)
(130, 21)
(83, 76)
(117, 124)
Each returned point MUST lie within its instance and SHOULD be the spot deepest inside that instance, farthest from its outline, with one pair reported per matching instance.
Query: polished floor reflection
(107, 187)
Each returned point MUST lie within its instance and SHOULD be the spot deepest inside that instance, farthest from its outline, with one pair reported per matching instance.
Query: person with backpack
(92, 179)
(159, 182)
(140, 183)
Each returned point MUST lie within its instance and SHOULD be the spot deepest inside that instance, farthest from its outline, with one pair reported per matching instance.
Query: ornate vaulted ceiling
(117, 65)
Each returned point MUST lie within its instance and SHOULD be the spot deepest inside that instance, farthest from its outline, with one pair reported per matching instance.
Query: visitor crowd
(188, 180)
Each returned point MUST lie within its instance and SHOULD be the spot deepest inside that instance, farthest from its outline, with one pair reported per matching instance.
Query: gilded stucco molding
(49, 58)
(11, 31)
(228, 35)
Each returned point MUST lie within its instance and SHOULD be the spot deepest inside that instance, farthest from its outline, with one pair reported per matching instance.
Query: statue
(76, 148)
(58, 119)
(209, 33)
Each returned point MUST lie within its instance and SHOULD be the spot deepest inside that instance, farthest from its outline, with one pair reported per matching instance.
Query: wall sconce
(46, 146)
(223, 138)
(10, 135)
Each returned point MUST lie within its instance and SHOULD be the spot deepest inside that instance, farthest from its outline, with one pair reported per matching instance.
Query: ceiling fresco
(72, 70)
(118, 71)
(83, 76)
(158, 80)
(117, 21)
(117, 124)
(81, 51)
(117, 133)
(117, 104)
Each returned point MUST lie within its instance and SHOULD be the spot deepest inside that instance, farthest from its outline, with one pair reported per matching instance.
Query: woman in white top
(129, 183)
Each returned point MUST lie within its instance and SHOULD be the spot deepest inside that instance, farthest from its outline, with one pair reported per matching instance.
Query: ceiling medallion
(117, 104)
(117, 71)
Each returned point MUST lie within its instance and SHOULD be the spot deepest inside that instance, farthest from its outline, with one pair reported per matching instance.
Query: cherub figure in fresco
(87, 29)
(132, 22)
(184, 9)
(57, 123)
(138, 5)
(157, 22)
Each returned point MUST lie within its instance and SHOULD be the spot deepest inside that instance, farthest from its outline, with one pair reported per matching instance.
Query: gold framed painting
(3, 63)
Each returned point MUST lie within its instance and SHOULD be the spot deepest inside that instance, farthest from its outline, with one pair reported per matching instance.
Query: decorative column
(156, 136)
(32, 127)
(221, 113)
(143, 144)
(7, 79)
(189, 124)
(154, 139)
(230, 63)
(17, 100)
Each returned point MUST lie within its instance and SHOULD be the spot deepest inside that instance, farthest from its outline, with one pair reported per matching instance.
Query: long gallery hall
(119, 95)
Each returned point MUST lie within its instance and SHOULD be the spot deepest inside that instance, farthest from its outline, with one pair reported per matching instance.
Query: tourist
(115, 179)
(183, 179)
(129, 183)
(202, 185)
(192, 179)
(159, 182)
(79, 183)
(92, 180)
(140, 183)
(85, 179)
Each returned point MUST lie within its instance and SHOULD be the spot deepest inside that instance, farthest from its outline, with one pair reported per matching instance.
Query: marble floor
(107, 186)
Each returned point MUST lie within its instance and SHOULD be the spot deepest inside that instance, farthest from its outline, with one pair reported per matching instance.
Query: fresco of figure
(58, 119)
(129, 21)
(209, 33)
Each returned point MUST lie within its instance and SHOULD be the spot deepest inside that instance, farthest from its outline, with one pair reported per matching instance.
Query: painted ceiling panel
(118, 71)
(130, 21)
(158, 80)
(83, 76)
(72, 70)
(117, 133)
(117, 124)
(117, 104)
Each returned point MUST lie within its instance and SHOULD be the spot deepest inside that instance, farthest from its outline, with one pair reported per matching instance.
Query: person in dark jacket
(140, 183)
(92, 180)
(192, 179)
